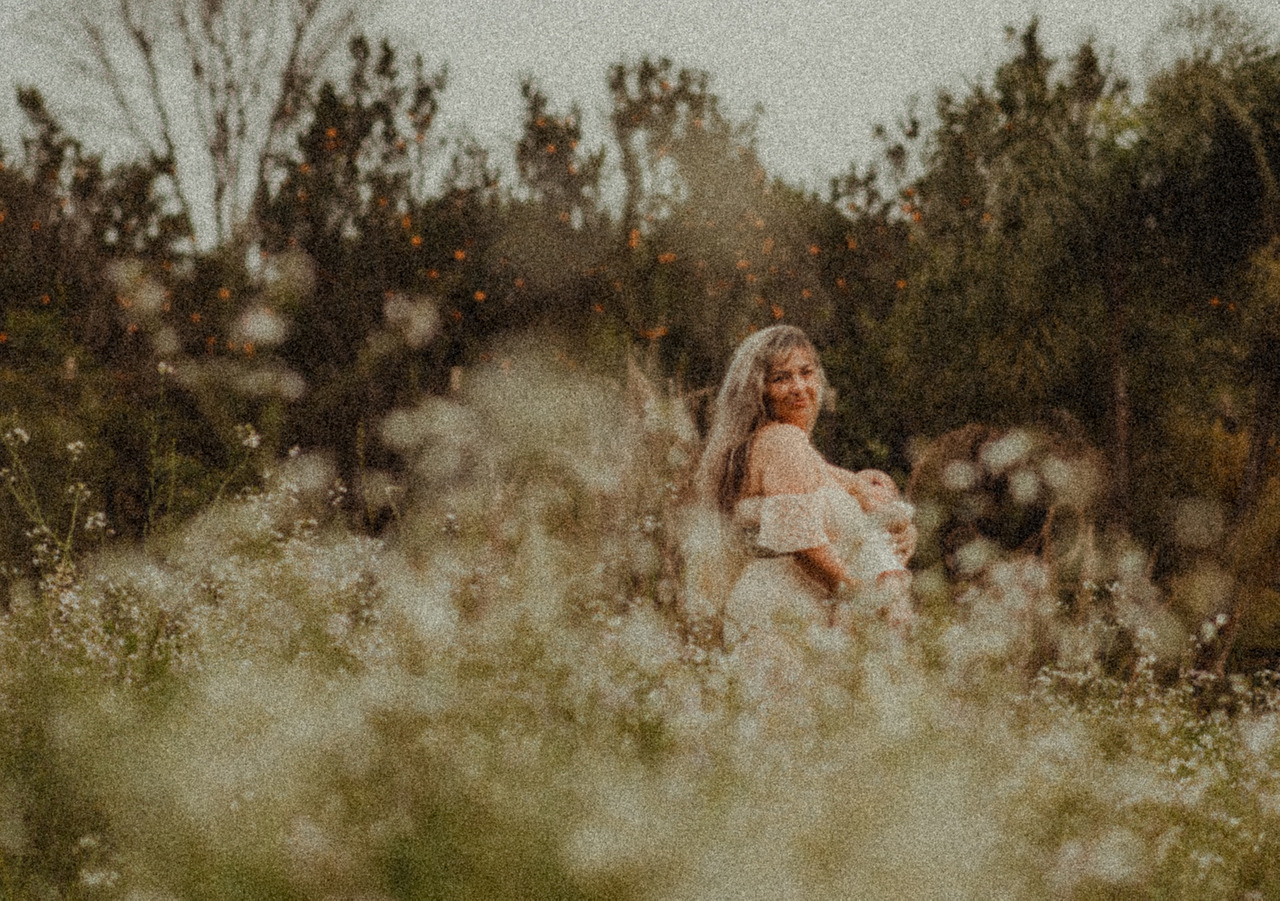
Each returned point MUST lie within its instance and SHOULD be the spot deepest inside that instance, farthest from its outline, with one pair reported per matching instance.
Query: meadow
(521, 692)
(346, 540)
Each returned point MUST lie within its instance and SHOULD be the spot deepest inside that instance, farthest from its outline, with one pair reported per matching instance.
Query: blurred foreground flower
(517, 698)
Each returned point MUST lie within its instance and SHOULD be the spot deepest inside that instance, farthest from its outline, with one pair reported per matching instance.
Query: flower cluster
(513, 698)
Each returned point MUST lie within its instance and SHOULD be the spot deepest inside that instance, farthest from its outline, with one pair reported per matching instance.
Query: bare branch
(111, 77)
(199, 72)
(298, 75)
(145, 46)
(209, 89)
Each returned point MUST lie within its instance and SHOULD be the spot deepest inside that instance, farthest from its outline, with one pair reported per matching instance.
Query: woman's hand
(824, 565)
(904, 535)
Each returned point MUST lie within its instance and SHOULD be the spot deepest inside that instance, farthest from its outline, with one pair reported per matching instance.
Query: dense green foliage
(1040, 250)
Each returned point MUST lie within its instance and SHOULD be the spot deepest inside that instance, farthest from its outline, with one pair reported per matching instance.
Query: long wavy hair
(740, 409)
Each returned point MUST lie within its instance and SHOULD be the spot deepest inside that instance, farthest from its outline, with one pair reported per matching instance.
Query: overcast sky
(824, 71)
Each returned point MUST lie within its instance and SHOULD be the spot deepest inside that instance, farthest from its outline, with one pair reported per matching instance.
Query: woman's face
(791, 389)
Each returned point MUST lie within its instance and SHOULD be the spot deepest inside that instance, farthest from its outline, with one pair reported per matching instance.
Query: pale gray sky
(824, 70)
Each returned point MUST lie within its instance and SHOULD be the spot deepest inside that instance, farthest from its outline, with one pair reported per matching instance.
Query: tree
(868, 253)
(1219, 105)
(709, 246)
(76, 238)
(69, 217)
(652, 106)
(232, 74)
(1029, 220)
(352, 171)
(345, 199)
(1227, 89)
(561, 176)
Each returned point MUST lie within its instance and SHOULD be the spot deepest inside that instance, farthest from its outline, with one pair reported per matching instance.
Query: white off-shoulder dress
(773, 593)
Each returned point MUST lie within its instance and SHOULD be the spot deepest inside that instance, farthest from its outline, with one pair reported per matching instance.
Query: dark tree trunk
(1266, 365)
(1266, 372)
(1121, 408)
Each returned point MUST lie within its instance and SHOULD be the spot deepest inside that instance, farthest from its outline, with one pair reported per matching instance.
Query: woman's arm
(825, 565)
(782, 462)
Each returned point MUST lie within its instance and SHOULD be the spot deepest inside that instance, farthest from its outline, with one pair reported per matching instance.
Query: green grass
(521, 696)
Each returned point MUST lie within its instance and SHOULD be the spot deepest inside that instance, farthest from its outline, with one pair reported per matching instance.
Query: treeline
(1045, 247)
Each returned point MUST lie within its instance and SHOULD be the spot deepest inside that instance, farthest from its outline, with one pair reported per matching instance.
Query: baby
(889, 544)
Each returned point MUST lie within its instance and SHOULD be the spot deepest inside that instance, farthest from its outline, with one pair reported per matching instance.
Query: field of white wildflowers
(522, 696)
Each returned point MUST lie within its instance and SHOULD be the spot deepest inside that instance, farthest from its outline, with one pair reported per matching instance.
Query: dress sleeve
(792, 522)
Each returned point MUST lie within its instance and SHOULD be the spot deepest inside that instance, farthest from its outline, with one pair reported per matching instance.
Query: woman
(819, 556)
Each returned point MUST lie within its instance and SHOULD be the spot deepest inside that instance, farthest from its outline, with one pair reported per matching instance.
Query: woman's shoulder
(782, 437)
(782, 461)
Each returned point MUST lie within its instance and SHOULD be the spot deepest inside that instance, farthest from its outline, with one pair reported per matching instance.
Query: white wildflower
(959, 475)
(271, 381)
(261, 326)
(974, 555)
(415, 318)
(1004, 452)
(1024, 486)
(1258, 736)
(165, 342)
(98, 878)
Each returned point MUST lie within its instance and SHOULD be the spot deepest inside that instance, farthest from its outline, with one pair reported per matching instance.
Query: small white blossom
(98, 878)
(261, 325)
